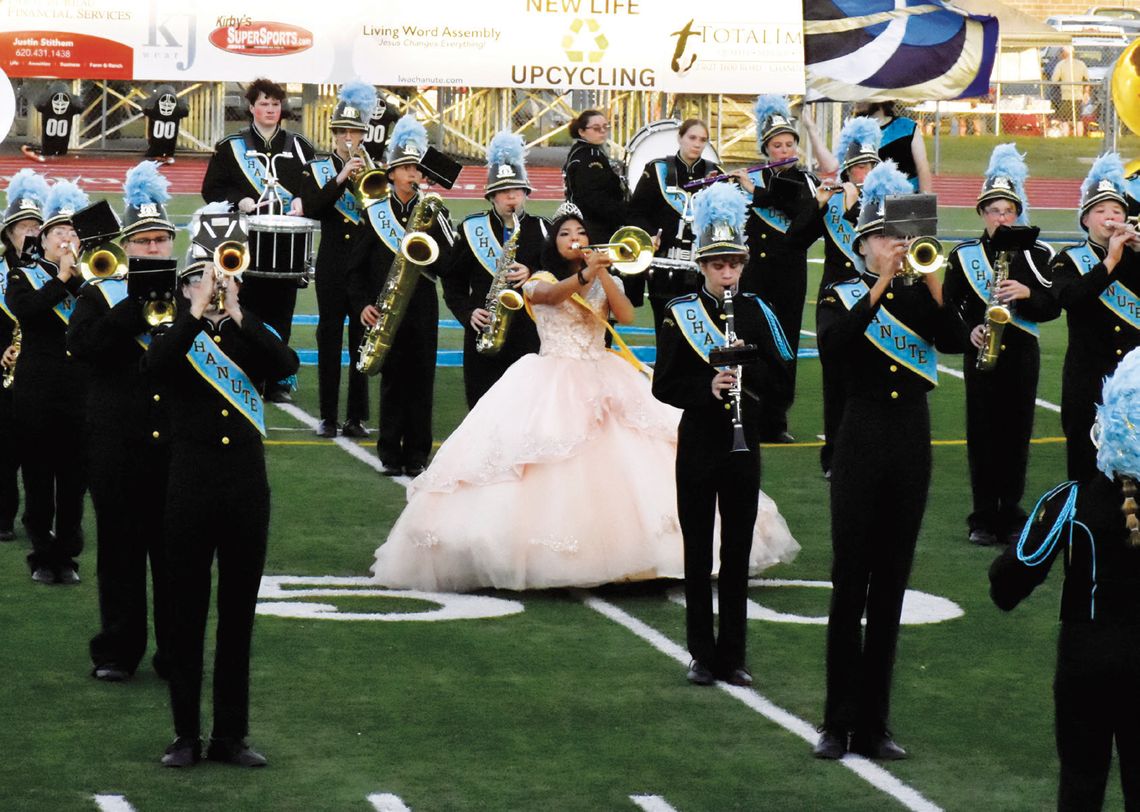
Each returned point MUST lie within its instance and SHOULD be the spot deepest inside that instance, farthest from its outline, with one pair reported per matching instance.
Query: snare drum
(658, 139)
(280, 245)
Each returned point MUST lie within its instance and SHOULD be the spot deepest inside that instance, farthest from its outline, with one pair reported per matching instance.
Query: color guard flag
(904, 50)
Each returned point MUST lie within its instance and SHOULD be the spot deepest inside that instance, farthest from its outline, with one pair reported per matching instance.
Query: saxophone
(998, 315)
(417, 249)
(502, 301)
(10, 372)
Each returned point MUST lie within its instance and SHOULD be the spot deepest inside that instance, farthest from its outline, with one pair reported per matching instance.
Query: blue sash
(254, 171)
(114, 291)
(891, 336)
(37, 277)
(480, 236)
(980, 274)
(384, 223)
(4, 288)
(228, 378)
(773, 217)
(841, 231)
(325, 171)
(703, 333)
(676, 198)
(1116, 297)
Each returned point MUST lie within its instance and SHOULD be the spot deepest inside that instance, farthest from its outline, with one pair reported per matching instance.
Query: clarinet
(738, 442)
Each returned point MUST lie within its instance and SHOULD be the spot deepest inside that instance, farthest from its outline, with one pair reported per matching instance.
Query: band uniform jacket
(648, 209)
(837, 266)
(338, 232)
(225, 179)
(683, 378)
(594, 187)
(465, 285)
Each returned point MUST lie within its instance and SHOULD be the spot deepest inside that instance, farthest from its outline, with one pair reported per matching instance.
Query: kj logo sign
(260, 37)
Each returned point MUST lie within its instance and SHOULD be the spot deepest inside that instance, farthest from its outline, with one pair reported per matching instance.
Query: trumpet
(231, 258)
(1131, 226)
(370, 184)
(630, 248)
(102, 262)
(923, 256)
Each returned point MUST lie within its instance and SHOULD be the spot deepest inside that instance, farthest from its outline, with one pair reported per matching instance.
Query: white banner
(672, 46)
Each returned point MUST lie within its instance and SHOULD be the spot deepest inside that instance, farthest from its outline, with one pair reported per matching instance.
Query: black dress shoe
(983, 538)
(832, 744)
(326, 428)
(413, 470)
(109, 672)
(354, 428)
(182, 752)
(43, 575)
(881, 747)
(699, 674)
(68, 576)
(234, 751)
(391, 469)
(782, 438)
(739, 676)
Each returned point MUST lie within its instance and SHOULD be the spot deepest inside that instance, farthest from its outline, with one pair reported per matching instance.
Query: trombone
(630, 248)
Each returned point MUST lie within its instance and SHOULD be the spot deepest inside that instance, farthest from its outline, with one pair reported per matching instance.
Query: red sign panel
(61, 55)
(262, 38)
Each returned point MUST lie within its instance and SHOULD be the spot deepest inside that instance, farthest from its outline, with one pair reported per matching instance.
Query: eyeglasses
(995, 212)
(602, 128)
(143, 241)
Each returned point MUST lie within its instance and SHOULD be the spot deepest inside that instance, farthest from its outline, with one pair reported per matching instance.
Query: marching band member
(476, 259)
(1092, 526)
(883, 335)
(592, 184)
(711, 474)
(127, 441)
(779, 221)
(836, 213)
(902, 143)
(51, 395)
(1000, 401)
(214, 363)
(408, 376)
(662, 206)
(327, 189)
(1098, 284)
(23, 217)
(234, 176)
(513, 499)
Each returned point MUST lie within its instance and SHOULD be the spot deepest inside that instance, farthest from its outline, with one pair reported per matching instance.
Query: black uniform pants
(332, 307)
(273, 301)
(707, 481)
(128, 488)
(834, 400)
(879, 480)
(1094, 693)
(217, 505)
(55, 479)
(1081, 385)
(407, 383)
(9, 463)
(999, 424)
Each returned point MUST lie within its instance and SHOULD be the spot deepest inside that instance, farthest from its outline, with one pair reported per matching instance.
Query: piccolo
(700, 183)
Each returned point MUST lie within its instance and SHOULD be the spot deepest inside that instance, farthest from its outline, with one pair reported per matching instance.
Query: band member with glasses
(592, 183)
(713, 474)
(663, 207)
(214, 360)
(407, 378)
(328, 191)
(883, 333)
(482, 240)
(50, 396)
(1097, 282)
(23, 218)
(128, 434)
(1000, 401)
(240, 179)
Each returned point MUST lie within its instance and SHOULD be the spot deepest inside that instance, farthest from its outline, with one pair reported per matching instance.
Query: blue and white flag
(901, 50)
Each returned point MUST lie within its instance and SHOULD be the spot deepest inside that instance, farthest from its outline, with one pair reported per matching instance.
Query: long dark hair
(582, 121)
(553, 261)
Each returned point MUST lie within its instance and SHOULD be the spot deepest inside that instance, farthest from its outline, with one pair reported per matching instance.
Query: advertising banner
(672, 46)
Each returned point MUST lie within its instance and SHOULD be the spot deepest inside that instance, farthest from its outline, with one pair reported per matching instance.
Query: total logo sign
(260, 37)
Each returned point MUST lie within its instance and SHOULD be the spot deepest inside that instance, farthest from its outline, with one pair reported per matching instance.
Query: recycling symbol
(584, 41)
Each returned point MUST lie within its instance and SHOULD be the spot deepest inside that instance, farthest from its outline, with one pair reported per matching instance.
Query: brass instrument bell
(923, 256)
(103, 262)
(630, 248)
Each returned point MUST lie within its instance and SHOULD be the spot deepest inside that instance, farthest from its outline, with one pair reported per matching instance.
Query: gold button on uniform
(154, 434)
(846, 264)
(894, 368)
(723, 317)
(1120, 352)
(1116, 329)
(728, 406)
(225, 441)
(157, 398)
(890, 295)
(348, 236)
(217, 339)
(894, 395)
(762, 255)
(225, 412)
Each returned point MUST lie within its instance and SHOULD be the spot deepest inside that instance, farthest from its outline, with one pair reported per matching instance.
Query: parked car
(1116, 12)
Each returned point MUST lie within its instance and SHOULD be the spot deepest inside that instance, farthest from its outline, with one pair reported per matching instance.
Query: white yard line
(386, 802)
(349, 445)
(112, 803)
(870, 772)
(652, 803)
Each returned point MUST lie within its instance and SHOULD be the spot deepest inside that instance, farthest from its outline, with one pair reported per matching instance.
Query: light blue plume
(65, 195)
(27, 183)
(145, 184)
(1007, 162)
(407, 131)
(859, 130)
(360, 95)
(770, 105)
(885, 179)
(719, 203)
(1118, 420)
(1108, 166)
(506, 148)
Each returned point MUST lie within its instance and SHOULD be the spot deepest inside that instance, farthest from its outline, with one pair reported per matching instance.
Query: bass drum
(658, 139)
